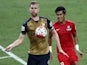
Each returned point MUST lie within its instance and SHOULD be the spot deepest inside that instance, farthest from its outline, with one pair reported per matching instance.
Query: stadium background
(14, 12)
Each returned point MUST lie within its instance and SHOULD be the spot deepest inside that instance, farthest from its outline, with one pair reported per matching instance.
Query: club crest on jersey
(68, 28)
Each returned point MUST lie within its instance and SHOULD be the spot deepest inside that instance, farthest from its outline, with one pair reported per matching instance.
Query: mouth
(34, 14)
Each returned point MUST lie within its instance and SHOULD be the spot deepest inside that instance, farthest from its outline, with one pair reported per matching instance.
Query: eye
(35, 8)
(32, 8)
(59, 14)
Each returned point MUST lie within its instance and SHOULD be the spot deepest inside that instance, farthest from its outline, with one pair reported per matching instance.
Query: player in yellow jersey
(39, 52)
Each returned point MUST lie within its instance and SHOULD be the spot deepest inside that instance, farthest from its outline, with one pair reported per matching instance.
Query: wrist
(77, 47)
(50, 48)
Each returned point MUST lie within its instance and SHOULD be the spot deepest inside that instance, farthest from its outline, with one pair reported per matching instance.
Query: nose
(58, 16)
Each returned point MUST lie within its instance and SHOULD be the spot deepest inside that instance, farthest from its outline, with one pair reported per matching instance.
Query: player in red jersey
(68, 38)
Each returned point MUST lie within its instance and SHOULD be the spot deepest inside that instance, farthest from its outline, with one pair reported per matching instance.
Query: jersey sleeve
(24, 28)
(74, 30)
(50, 26)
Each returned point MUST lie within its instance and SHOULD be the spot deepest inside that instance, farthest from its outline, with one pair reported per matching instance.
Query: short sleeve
(24, 28)
(50, 26)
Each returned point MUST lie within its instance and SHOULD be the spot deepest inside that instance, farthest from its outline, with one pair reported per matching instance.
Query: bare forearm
(16, 43)
(75, 39)
(56, 37)
(76, 42)
(77, 46)
(57, 41)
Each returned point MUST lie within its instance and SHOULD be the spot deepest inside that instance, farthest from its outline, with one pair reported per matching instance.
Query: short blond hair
(34, 2)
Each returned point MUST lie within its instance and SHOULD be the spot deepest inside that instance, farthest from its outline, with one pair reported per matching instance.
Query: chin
(61, 21)
(34, 15)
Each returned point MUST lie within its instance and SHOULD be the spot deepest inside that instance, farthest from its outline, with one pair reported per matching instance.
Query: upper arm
(24, 28)
(23, 31)
(74, 34)
(50, 37)
(50, 33)
(74, 30)
(54, 31)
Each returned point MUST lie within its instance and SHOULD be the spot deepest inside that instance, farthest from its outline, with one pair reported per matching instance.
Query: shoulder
(70, 22)
(55, 23)
(25, 23)
(45, 18)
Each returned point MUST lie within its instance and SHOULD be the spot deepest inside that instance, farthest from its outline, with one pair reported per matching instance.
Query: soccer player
(39, 52)
(66, 30)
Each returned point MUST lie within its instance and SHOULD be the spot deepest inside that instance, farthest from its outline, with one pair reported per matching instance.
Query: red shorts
(64, 60)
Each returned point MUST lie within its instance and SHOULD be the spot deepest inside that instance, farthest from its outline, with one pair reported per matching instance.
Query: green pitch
(14, 12)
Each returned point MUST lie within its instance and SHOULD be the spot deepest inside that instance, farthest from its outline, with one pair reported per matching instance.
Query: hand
(50, 55)
(80, 53)
(61, 51)
(50, 58)
(8, 48)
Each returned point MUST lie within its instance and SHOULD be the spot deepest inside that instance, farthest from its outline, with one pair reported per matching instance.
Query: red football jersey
(65, 32)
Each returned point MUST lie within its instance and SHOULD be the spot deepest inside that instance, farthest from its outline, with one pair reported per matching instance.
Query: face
(60, 16)
(34, 9)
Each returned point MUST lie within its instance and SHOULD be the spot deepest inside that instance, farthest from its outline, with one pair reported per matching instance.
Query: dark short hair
(60, 8)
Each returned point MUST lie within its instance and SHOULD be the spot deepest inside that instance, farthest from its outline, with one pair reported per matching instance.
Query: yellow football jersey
(38, 46)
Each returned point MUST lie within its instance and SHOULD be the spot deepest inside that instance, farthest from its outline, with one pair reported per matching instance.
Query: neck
(36, 18)
(62, 22)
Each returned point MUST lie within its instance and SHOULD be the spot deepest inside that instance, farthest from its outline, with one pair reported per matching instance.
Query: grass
(14, 12)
